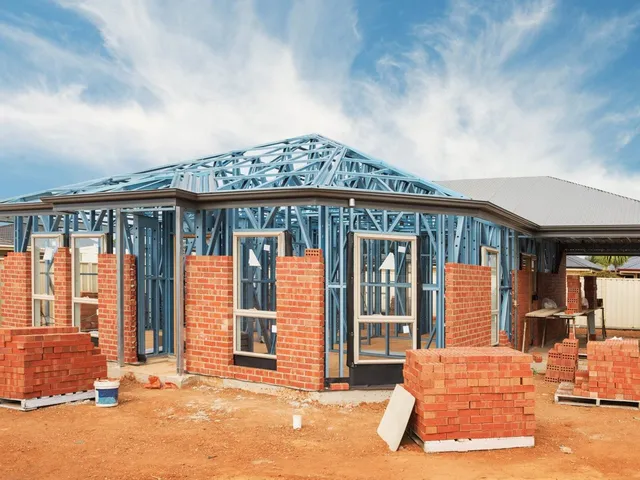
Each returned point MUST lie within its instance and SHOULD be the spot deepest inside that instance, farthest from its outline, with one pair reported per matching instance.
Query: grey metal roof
(6, 235)
(579, 262)
(550, 201)
(632, 264)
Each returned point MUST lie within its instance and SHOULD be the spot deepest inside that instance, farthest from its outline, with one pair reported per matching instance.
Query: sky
(443, 89)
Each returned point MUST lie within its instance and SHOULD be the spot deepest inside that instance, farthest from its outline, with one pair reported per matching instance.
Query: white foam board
(396, 417)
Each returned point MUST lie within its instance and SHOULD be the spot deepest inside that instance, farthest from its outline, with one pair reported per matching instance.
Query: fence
(621, 298)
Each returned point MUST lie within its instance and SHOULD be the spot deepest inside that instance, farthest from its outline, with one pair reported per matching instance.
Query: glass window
(385, 309)
(254, 327)
(256, 273)
(385, 277)
(43, 313)
(256, 335)
(44, 249)
(85, 251)
(85, 256)
(385, 340)
(490, 259)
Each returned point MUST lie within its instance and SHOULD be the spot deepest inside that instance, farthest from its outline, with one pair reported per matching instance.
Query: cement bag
(548, 303)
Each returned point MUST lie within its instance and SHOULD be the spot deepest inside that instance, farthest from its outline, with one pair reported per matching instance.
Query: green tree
(606, 260)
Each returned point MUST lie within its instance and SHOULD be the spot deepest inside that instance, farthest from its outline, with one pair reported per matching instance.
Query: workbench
(591, 321)
(543, 313)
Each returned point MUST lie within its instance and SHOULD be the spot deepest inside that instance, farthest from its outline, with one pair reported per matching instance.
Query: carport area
(572, 220)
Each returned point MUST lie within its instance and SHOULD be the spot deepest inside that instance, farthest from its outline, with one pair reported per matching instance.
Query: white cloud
(471, 98)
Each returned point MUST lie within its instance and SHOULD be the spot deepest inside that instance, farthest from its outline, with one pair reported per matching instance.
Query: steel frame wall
(308, 161)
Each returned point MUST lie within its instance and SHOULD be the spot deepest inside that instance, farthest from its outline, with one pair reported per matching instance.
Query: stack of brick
(503, 339)
(562, 362)
(613, 371)
(41, 362)
(574, 294)
(470, 393)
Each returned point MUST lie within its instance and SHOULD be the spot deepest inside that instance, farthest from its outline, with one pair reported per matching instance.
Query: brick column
(523, 298)
(62, 288)
(591, 291)
(300, 319)
(467, 305)
(16, 290)
(574, 290)
(108, 311)
(209, 314)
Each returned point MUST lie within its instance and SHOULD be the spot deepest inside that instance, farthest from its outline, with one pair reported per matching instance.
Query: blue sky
(443, 89)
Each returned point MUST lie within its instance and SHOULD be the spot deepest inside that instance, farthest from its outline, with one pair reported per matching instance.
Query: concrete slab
(396, 417)
(165, 371)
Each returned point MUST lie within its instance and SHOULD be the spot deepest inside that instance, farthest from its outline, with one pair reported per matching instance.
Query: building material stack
(613, 371)
(562, 361)
(44, 362)
(471, 393)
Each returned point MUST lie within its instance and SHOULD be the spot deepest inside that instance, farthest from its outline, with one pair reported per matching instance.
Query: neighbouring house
(630, 268)
(303, 263)
(581, 266)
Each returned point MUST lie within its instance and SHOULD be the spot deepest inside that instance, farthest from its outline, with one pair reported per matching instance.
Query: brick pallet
(613, 371)
(38, 363)
(562, 361)
(473, 398)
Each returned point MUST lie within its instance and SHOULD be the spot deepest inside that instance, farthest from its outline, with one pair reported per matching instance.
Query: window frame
(493, 251)
(40, 297)
(76, 300)
(238, 312)
(359, 319)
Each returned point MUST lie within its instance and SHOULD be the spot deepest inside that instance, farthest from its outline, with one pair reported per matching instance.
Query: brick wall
(62, 288)
(1, 268)
(467, 305)
(553, 286)
(591, 291)
(464, 393)
(16, 290)
(523, 298)
(38, 362)
(107, 305)
(299, 317)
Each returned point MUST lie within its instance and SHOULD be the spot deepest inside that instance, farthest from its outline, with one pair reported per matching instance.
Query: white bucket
(106, 392)
(297, 422)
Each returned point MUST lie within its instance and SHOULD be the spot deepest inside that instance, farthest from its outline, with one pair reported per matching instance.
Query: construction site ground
(207, 432)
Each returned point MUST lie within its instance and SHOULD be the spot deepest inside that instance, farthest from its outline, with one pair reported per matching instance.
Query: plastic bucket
(106, 392)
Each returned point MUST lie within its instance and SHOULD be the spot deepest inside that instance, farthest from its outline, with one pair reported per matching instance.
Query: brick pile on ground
(41, 362)
(562, 361)
(470, 393)
(613, 371)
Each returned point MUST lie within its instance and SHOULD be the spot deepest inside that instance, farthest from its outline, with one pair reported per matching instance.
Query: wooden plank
(545, 312)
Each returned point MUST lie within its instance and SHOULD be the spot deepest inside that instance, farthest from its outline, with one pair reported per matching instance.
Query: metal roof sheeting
(550, 201)
(632, 264)
(579, 262)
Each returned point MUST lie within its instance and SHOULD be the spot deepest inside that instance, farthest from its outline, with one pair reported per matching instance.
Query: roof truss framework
(307, 161)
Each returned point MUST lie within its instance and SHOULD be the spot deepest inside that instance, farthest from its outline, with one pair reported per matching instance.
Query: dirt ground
(209, 432)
